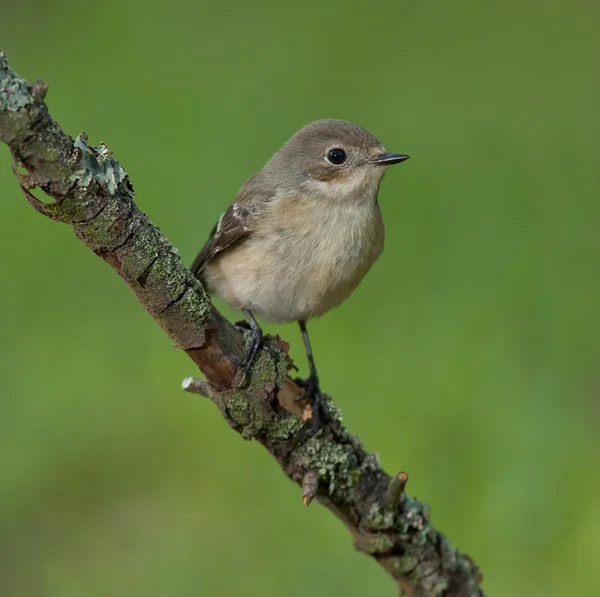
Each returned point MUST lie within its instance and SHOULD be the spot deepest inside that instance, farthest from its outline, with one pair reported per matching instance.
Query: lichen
(380, 518)
(422, 572)
(439, 587)
(14, 90)
(335, 464)
(405, 565)
(244, 413)
(370, 463)
(249, 407)
(413, 522)
(168, 271)
(334, 411)
(193, 306)
(379, 544)
(98, 232)
(239, 409)
(98, 164)
(285, 428)
(67, 211)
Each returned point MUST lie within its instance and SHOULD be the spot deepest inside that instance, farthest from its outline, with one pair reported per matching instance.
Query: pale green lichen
(335, 464)
(421, 573)
(380, 518)
(66, 211)
(335, 412)
(239, 409)
(263, 373)
(285, 428)
(141, 261)
(370, 463)
(405, 565)
(168, 271)
(98, 232)
(98, 164)
(247, 407)
(379, 544)
(14, 90)
(336, 461)
(194, 306)
(243, 412)
(411, 523)
(439, 587)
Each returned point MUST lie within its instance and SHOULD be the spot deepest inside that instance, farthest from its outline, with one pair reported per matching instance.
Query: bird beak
(387, 158)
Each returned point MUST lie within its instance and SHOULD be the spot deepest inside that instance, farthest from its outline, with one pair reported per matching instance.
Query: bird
(300, 235)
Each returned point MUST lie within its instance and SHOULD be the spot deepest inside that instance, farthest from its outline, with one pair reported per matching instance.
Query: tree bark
(90, 191)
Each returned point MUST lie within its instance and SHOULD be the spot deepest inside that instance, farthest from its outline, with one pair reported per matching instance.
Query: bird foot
(320, 412)
(257, 341)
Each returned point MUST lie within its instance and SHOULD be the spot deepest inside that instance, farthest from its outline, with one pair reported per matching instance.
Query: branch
(91, 192)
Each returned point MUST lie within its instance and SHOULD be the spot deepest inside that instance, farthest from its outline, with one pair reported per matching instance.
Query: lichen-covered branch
(89, 190)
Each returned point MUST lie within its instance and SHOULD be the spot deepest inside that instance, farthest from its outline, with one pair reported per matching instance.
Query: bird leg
(312, 391)
(256, 341)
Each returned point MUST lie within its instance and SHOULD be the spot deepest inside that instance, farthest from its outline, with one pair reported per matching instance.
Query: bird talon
(319, 410)
(238, 380)
(256, 343)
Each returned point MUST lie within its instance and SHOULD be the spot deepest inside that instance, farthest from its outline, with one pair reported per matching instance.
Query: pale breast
(300, 266)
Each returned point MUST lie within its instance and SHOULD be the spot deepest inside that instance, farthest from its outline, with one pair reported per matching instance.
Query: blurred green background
(469, 357)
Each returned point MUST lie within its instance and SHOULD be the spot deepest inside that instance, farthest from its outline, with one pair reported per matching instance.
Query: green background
(469, 357)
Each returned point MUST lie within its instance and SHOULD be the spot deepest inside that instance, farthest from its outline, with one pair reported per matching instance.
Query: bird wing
(235, 223)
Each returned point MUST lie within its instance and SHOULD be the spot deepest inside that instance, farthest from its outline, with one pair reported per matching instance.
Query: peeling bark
(90, 191)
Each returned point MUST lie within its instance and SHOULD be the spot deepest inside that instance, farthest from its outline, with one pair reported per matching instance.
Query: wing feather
(236, 223)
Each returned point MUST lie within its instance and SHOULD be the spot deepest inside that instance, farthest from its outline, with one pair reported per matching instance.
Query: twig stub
(395, 490)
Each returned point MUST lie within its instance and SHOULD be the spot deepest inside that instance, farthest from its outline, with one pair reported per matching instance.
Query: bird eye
(336, 156)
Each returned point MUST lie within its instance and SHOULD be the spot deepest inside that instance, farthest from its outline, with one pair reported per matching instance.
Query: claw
(312, 393)
(247, 363)
(256, 343)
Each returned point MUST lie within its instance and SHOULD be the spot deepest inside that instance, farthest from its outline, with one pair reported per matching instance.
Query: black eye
(336, 156)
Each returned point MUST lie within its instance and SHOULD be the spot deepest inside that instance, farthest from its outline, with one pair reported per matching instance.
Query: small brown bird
(301, 233)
